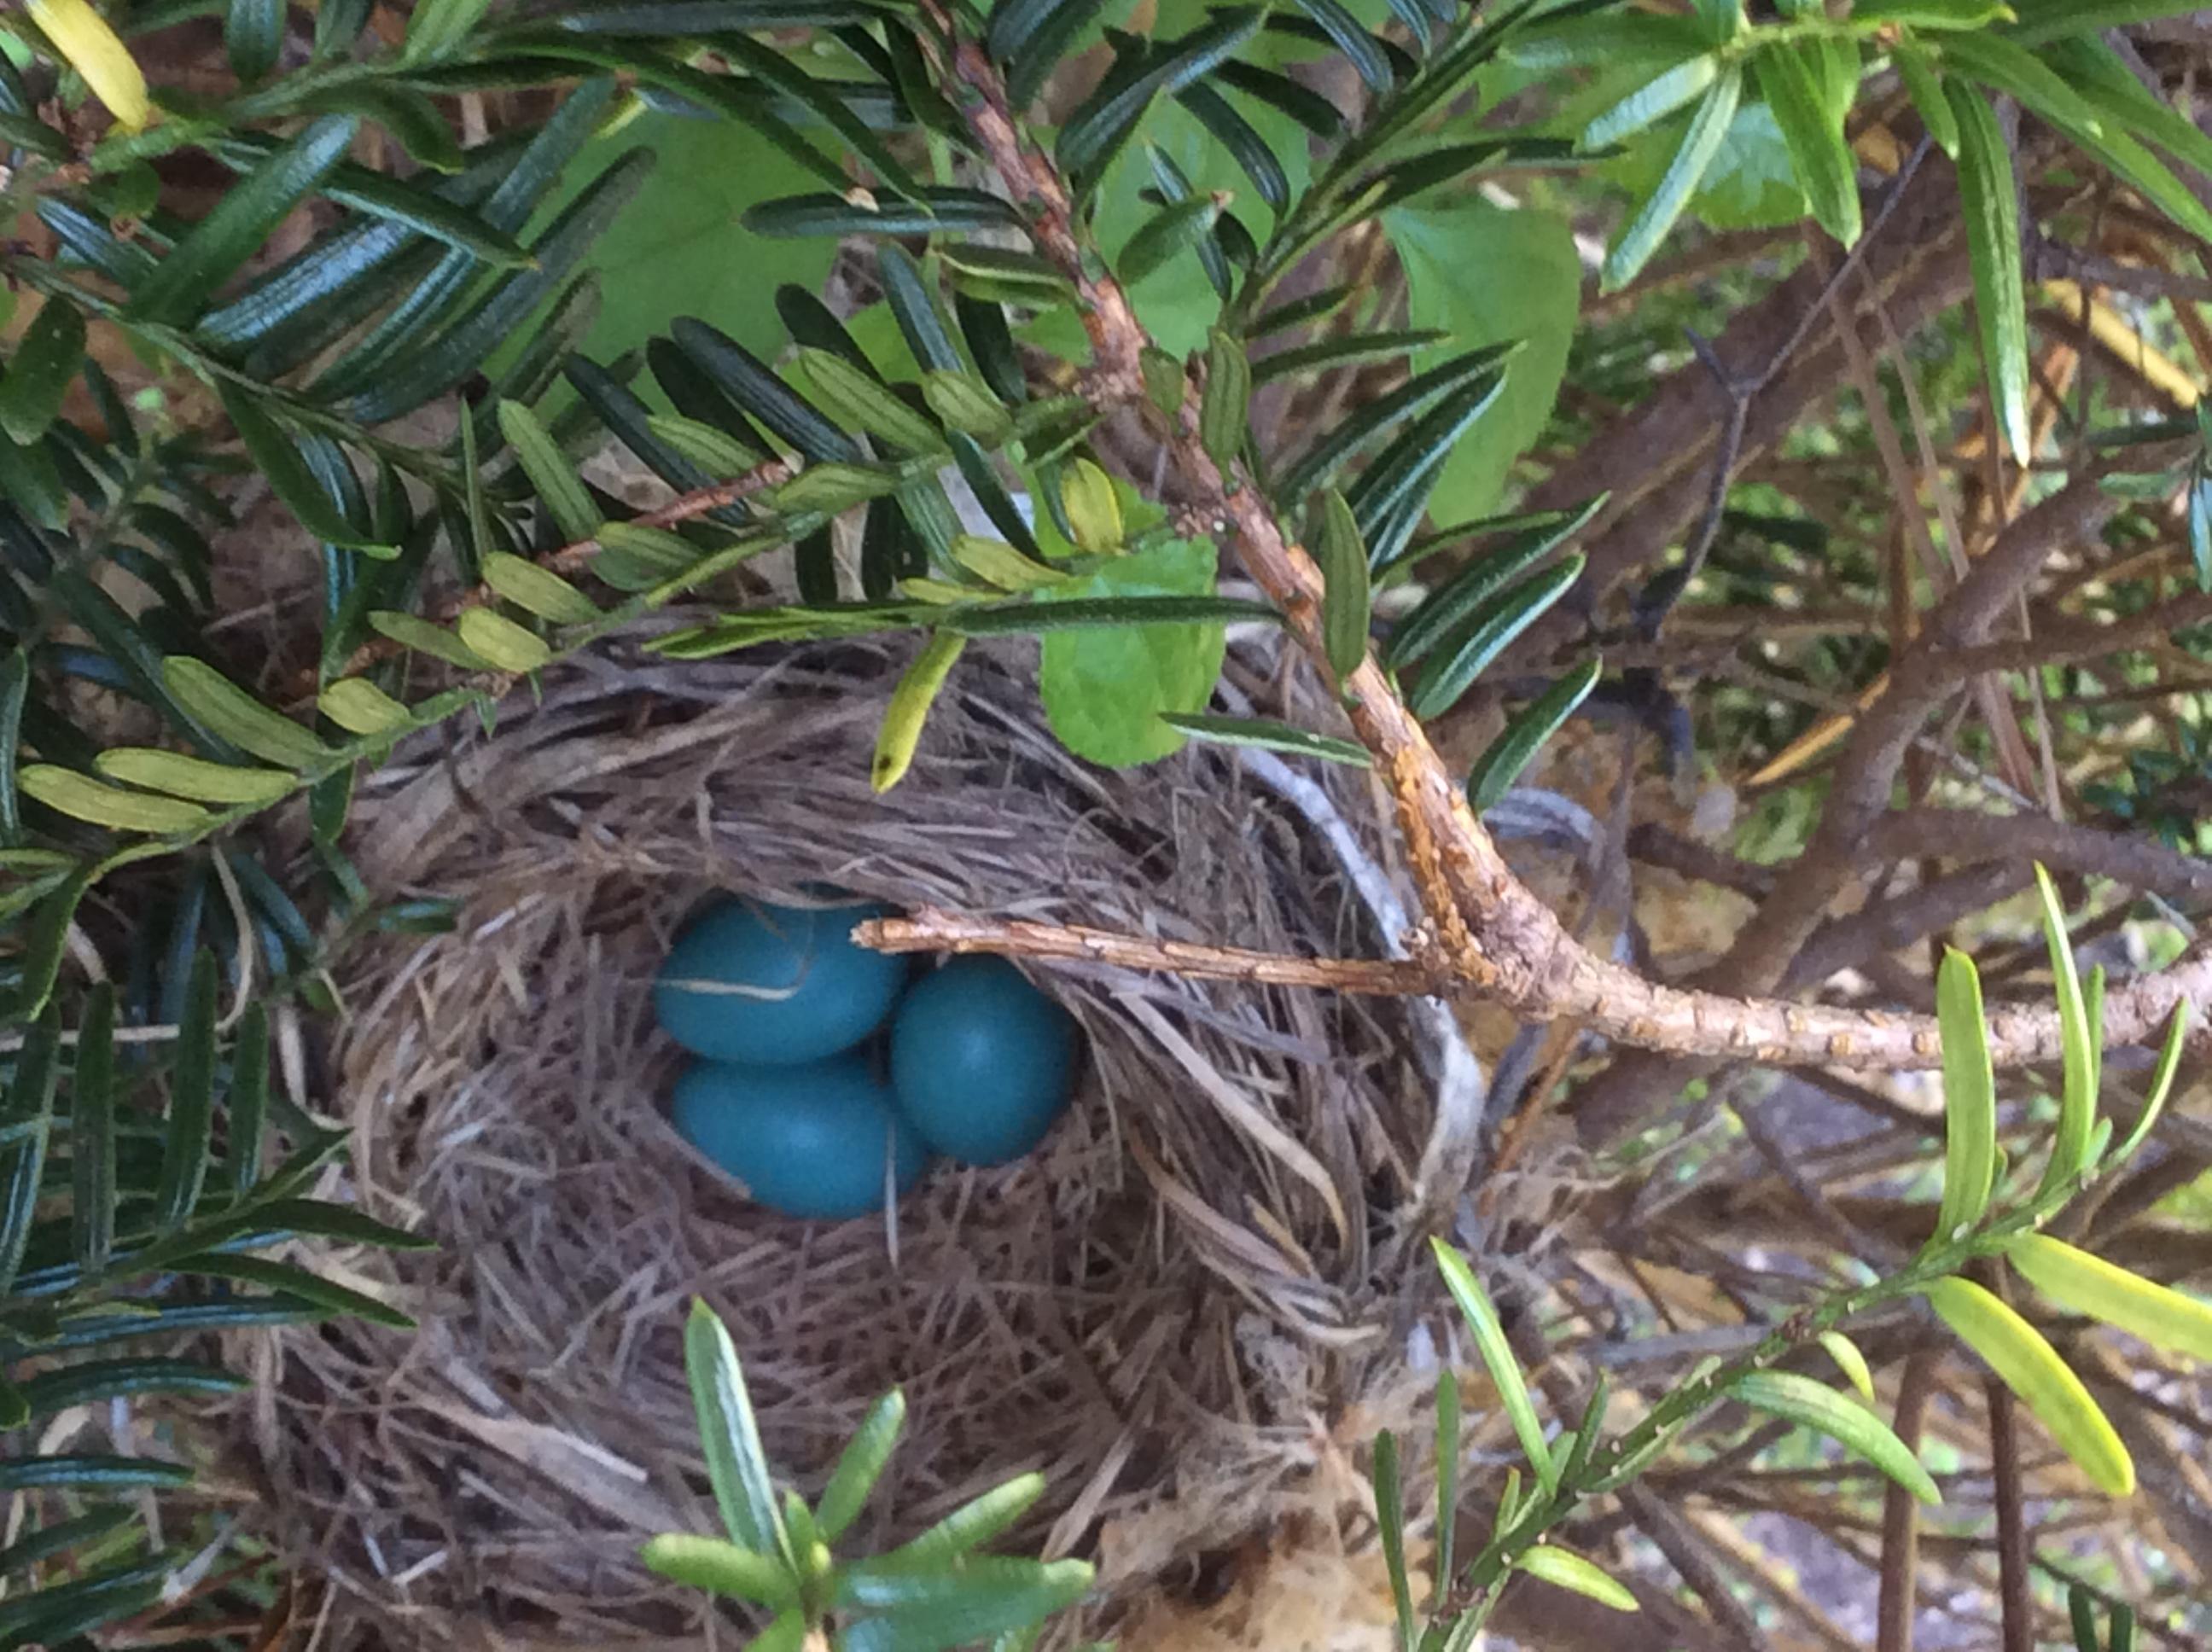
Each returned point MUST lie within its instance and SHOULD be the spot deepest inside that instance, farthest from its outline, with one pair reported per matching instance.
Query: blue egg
(771, 985)
(981, 1060)
(809, 1141)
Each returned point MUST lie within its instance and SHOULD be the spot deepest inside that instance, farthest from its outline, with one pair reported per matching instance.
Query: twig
(1900, 1515)
(2015, 1590)
(930, 930)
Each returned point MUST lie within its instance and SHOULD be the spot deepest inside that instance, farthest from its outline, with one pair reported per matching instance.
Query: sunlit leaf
(1802, 1401)
(358, 707)
(549, 473)
(239, 717)
(716, 1565)
(499, 640)
(2088, 1284)
(2077, 1101)
(1567, 1570)
(1482, 1318)
(1970, 1102)
(81, 798)
(1701, 141)
(735, 1461)
(2032, 1369)
(83, 36)
(180, 776)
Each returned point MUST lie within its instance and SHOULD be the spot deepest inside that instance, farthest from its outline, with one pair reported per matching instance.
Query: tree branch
(1487, 935)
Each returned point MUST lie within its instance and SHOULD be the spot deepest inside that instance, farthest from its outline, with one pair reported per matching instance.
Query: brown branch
(1487, 935)
(1900, 1515)
(930, 930)
(2015, 1588)
(1965, 835)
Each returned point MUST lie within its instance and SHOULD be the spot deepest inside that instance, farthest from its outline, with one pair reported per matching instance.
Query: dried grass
(1174, 1309)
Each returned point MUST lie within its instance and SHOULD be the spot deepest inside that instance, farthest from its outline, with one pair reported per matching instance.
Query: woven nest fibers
(1183, 1308)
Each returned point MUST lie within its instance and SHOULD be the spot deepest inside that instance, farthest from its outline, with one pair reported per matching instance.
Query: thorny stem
(1487, 934)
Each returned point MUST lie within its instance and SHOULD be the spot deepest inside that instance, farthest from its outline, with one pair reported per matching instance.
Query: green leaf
(60, 1389)
(242, 219)
(1448, 1465)
(192, 1101)
(1099, 128)
(1484, 274)
(1935, 14)
(967, 404)
(2161, 1086)
(1093, 508)
(1032, 38)
(314, 1218)
(499, 640)
(735, 1461)
(223, 784)
(1989, 195)
(1474, 1307)
(1245, 142)
(1567, 1571)
(1470, 650)
(2078, 1044)
(27, 1110)
(41, 371)
(278, 457)
(924, 1612)
(1374, 419)
(300, 1283)
(1005, 275)
(1700, 142)
(1224, 407)
(557, 483)
(249, 1108)
(2088, 1284)
(859, 1465)
(711, 1563)
(937, 211)
(1346, 597)
(1928, 98)
(1802, 1401)
(1495, 771)
(1653, 101)
(999, 564)
(539, 591)
(2029, 1366)
(230, 712)
(424, 638)
(910, 704)
(746, 380)
(971, 1526)
(1850, 1361)
(92, 1133)
(438, 26)
(358, 707)
(89, 1472)
(1390, 1523)
(858, 399)
(1819, 151)
(1343, 350)
(715, 452)
(2050, 19)
(1970, 1100)
(1104, 690)
(1177, 227)
(81, 798)
(1266, 735)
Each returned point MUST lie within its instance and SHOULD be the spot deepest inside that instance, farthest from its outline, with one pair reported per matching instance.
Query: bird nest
(1184, 1308)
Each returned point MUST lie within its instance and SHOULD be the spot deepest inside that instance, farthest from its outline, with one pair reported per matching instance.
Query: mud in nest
(1184, 1309)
